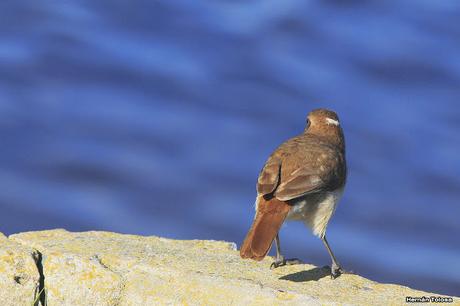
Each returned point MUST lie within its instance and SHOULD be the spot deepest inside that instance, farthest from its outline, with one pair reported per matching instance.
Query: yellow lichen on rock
(19, 276)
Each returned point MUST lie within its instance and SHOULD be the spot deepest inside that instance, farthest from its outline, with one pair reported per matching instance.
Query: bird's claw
(336, 271)
(279, 262)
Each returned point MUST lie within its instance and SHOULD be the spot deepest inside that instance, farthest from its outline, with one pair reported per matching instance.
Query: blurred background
(155, 117)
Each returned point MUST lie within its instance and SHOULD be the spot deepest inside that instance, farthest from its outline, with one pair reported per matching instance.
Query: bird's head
(325, 124)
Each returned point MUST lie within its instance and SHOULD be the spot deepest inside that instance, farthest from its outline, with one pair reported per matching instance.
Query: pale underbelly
(315, 210)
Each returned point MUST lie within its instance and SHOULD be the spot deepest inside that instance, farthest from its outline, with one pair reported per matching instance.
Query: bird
(303, 180)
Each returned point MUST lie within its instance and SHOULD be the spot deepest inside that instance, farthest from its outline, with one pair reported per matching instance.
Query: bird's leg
(280, 260)
(336, 270)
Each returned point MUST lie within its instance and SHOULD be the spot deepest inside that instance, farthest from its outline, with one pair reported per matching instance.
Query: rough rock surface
(102, 268)
(19, 276)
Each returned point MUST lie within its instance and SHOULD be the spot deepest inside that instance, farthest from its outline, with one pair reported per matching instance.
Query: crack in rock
(39, 294)
(97, 259)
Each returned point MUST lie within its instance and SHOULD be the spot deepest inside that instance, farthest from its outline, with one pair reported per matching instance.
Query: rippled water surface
(155, 117)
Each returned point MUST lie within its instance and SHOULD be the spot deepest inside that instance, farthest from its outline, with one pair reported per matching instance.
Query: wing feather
(269, 176)
(306, 174)
(298, 185)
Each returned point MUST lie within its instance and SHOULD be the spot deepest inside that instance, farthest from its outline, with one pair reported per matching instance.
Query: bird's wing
(314, 174)
(269, 176)
(302, 183)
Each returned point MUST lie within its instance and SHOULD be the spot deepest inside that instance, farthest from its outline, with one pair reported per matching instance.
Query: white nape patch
(332, 121)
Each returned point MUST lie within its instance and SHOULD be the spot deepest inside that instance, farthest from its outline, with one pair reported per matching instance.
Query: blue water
(155, 117)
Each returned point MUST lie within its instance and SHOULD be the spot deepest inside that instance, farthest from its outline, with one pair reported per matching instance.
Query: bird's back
(303, 164)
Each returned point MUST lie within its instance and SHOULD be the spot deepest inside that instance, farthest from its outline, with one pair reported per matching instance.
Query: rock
(19, 276)
(102, 268)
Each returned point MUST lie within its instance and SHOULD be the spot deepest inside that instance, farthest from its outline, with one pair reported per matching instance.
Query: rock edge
(103, 268)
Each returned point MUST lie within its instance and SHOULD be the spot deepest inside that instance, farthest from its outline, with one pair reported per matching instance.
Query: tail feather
(269, 218)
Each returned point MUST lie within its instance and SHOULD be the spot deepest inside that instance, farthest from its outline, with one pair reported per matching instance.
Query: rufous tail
(270, 216)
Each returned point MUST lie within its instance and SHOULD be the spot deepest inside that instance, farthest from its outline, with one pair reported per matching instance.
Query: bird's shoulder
(300, 165)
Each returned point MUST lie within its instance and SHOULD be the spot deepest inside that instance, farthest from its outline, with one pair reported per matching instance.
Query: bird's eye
(308, 123)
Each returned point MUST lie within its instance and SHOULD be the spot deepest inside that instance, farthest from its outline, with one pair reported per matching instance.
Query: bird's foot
(337, 270)
(281, 261)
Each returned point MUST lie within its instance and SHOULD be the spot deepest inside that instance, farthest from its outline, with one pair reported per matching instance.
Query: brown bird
(303, 179)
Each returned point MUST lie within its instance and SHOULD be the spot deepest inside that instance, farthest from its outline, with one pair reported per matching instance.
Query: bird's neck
(332, 136)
